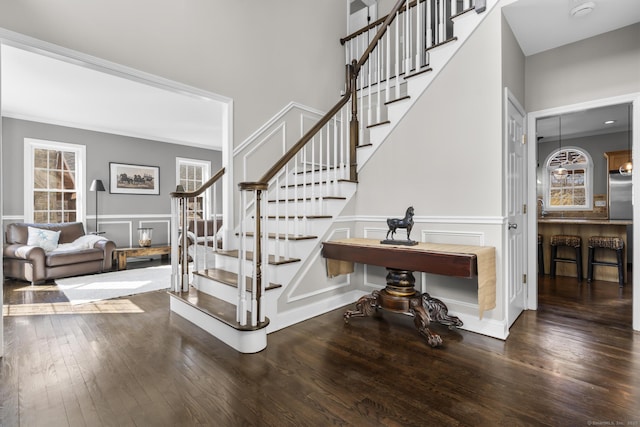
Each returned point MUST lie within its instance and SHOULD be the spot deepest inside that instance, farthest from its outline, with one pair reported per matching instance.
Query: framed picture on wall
(133, 179)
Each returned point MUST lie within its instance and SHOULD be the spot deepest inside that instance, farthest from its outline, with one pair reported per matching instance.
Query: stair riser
(230, 294)
(276, 273)
(309, 207)
(296, 248)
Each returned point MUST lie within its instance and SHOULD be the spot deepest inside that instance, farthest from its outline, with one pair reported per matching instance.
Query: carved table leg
(438, 311)
(365, 306)
(400, 296)
(421, 319)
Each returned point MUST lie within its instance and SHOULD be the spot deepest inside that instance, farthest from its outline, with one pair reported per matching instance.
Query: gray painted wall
(101, 148)
(513, 63)
(599, 67)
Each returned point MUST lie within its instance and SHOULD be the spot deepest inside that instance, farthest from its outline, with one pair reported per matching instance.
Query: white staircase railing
(192, 235)
(419, 25)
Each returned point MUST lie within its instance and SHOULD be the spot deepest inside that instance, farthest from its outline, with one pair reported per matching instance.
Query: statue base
(398, 242)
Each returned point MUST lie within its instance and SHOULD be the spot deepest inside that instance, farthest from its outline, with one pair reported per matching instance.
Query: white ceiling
(541, 25)
(45, 89)
(49, 90)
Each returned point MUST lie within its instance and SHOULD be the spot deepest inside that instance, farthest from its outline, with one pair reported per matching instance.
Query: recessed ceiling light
(583, 9)
(609, 122)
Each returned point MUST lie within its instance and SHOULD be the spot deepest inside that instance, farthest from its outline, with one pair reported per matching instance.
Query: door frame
(41, 47)
(634, 99)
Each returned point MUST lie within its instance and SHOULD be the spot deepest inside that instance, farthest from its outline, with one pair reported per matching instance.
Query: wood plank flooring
(574, 362)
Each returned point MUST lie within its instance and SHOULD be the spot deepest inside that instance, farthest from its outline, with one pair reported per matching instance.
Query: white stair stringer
(308, 250)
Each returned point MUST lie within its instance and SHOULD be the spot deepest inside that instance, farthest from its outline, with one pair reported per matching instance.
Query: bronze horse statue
(406, 222)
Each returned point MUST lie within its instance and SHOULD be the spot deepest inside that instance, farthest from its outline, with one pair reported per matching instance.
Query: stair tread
(437, 45)
(402, 98)
(316, 169)
(417, 72)
(385, 122)
(287, 236)
(300, 217)
(216, 308)
(231, 279)
(316, 182)
(272, 259)
(301, 199)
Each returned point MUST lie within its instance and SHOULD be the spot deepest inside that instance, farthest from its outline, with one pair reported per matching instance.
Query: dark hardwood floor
(574, 362)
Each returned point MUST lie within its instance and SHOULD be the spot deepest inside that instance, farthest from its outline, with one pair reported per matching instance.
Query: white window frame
(30, 145)
(588, 179)
(206, 174)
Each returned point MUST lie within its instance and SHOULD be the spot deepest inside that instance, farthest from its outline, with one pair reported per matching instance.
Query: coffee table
(121, 254)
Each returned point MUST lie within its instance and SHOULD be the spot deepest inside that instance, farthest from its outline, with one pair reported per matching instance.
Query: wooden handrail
(353, 73)
(202, 188)
(375, 23)
(303, 141)
(378, 36)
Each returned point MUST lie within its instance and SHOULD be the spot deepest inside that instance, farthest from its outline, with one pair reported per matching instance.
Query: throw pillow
(46, 239)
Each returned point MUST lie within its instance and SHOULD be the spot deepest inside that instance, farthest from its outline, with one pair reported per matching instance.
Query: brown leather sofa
(76, 253)
(196, 232)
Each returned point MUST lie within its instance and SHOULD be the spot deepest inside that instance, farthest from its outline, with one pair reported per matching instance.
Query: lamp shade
(97, 185)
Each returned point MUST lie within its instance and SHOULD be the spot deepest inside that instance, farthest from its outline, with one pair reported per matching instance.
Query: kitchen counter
(585, 228)
(599, 221)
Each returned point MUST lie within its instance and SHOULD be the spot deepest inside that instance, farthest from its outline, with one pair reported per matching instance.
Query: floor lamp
(97, 186)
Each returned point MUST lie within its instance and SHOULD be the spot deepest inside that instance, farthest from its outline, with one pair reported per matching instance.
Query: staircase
(285, 215)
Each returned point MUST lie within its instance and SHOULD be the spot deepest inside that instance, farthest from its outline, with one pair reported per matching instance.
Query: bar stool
(540, 255)
(606, 242)
(568, 241)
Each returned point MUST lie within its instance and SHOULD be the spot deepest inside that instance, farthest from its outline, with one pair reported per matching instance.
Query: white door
(516, 202)
(361, 14)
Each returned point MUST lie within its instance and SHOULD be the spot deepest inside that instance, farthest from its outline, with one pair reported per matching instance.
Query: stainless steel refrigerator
(620, 206)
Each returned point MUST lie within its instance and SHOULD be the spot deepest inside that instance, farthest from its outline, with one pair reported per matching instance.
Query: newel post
(353, 125)
(258, 189)
(184, 256)
(257, 285)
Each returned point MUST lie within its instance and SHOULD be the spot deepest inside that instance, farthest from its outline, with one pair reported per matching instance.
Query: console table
(401, 261)
(121, 254)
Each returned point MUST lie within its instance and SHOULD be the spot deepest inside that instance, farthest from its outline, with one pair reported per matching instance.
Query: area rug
(97, 287)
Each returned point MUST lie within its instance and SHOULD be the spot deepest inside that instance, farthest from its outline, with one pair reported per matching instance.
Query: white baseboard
(291, 317)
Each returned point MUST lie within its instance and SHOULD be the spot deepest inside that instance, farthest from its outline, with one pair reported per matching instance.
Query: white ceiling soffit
(540, 25)
(44, 89)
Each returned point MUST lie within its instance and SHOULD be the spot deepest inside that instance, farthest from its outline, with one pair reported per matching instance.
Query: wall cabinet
(615, 159)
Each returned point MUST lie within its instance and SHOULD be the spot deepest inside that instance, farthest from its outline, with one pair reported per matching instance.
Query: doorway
(538, 122)
(360, 13)
(132, 80)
